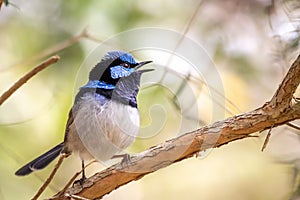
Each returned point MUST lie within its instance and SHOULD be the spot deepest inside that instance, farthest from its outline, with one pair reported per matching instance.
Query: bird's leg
(83, 178)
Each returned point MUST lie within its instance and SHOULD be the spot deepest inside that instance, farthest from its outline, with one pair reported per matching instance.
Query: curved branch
(278, 111)
(284, 94)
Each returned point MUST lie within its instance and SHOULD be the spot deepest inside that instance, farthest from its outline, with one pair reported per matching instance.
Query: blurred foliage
(252, 44)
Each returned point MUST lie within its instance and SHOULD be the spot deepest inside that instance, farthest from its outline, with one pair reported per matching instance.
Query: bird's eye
(126, 65)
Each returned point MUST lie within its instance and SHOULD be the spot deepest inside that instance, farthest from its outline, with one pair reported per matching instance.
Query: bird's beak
(142, 64)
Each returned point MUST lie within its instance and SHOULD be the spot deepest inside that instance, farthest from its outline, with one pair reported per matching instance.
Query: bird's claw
(126, 160)
(80, 181)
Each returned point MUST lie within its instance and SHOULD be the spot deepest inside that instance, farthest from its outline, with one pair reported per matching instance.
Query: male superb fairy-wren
(104, 119)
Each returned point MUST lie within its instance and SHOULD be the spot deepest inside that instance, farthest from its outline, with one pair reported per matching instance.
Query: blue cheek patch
(98, 84)
(120, 71)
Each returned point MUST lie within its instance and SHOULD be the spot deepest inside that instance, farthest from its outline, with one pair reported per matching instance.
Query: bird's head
(115, 65)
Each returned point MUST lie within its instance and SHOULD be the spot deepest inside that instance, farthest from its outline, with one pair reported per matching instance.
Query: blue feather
(128, 58)
(124, 56)
(120, 71)
(98, 84)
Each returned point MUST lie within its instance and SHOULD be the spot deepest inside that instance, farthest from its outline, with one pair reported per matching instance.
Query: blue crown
(124, 56)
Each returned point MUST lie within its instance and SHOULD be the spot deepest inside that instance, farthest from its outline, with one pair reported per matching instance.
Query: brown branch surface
(278, 111)
(26, 77)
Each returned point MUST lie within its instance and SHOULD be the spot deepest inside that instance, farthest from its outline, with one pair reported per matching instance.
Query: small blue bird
(104, 119)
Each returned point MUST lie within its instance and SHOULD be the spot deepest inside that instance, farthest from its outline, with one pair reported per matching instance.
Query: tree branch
(278, 111)
(26, 77)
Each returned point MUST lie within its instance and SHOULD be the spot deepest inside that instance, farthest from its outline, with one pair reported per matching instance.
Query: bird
(104, 119)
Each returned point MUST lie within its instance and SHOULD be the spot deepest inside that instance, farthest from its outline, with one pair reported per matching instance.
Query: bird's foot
(126, 160)
(80, 181)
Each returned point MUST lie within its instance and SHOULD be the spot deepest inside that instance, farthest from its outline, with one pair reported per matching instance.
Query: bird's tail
(41, 161)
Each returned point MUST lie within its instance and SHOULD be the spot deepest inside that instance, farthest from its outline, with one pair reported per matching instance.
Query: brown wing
(69, 122)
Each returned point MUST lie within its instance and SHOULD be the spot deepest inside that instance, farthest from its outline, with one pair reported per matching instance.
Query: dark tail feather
(40, 162)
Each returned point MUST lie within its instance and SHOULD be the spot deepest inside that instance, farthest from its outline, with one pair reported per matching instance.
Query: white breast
(101, 130)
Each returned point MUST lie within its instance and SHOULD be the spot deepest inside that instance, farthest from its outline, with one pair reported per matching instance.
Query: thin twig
(27, 76)
(73, 178)
(293, 126)
(12, 154)
(197, 80)
(49, 179)
(58, 47)
(267, 139)
(185, 31)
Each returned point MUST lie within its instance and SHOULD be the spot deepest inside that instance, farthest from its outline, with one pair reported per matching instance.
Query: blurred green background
(251, 43)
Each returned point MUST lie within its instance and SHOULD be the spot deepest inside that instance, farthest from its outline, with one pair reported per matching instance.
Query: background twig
(49, 179)
(26, 77)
